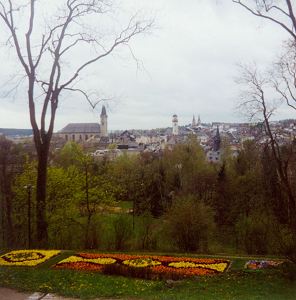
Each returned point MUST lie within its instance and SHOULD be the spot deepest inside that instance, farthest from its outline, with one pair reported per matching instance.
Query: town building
(84, 132)
(214, 155)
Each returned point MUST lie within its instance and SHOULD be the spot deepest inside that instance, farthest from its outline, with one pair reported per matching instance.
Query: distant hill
(15, 132)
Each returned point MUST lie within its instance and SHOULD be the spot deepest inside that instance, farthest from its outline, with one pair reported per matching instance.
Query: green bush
(189, 224)
(286, 241)
(254, 233)
(288, 270)
(146, 232)
(122, 227)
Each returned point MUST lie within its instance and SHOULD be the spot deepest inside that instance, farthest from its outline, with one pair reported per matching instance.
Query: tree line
(173, 201)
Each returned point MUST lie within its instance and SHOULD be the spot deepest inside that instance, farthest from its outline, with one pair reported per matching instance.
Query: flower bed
(262, 264)
(144, 266)
(28, 258)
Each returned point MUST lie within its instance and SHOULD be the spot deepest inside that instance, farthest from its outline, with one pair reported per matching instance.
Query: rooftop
(81, 128)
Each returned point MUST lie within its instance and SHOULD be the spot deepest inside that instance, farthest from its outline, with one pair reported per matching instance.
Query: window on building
(73, 137)
(80, 137)
(66, 137)
(86, 137)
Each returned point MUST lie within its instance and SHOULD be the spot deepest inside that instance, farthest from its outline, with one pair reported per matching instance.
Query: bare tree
(283, 75)
(44, 65)
(255, 100)
(280, 12)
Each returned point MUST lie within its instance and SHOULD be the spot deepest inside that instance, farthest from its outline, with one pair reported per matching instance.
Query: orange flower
(168, 265)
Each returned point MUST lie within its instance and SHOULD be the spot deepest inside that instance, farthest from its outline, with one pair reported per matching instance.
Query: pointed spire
(217, 140)
(103, 113)
(104, 122)
(193, 122)
(198, 121)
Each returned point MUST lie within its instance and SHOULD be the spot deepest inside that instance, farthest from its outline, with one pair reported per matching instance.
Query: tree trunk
(10, 231)
(88, 243)
(42, 235)
(2, 220)
(6, 198)
(89, 212)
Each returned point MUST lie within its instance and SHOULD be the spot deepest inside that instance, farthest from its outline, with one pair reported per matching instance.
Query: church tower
(175, 125)
(217, 141)
(198, 121)
(193, 124)
(104, 117)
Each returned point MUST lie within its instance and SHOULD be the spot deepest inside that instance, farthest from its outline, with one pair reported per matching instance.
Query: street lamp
(29, 188)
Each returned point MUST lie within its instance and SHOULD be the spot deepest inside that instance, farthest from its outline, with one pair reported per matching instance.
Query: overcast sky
(188, 66)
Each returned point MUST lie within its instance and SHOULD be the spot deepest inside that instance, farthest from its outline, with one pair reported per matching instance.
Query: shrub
(254, 234)
(146, 238)
(122, 231)
(286, 239)
(189, 224)
(288, 270)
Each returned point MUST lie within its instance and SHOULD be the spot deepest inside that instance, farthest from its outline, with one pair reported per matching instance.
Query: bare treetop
(281, 12)
(67, 31)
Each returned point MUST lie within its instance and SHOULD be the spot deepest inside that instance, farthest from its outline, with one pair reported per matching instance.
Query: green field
(237, 283)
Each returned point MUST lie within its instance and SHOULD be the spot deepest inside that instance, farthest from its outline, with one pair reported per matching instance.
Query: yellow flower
(182, 264)
(28, 258)
(141, 262)
(99, 261)
(220, 267)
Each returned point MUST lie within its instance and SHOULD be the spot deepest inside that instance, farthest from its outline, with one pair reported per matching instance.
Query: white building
(175, 125)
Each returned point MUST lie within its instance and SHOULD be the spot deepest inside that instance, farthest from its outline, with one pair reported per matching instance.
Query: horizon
(155, 128)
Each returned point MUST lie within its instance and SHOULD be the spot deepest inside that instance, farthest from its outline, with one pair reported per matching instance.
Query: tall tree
(44, 61)
(255, 100)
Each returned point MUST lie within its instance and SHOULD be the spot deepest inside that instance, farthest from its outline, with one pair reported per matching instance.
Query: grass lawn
(235, 284)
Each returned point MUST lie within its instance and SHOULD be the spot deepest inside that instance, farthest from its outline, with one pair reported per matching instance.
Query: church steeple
(193, 124)
(217, 140)
(198, 121)
(104, 119)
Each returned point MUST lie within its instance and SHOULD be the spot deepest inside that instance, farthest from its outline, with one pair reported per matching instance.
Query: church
(83, 132)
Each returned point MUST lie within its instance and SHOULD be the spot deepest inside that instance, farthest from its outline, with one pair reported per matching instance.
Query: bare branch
(263, 9)
(283, 75)
(124, 37)
(87, 96)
